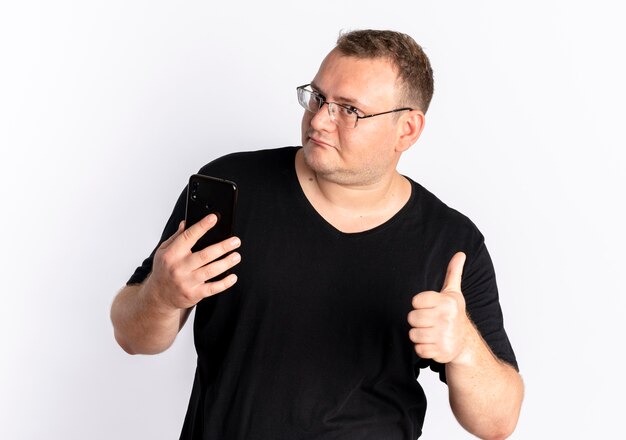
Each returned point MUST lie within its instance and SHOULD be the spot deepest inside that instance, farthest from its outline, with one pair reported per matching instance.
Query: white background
(106, 108)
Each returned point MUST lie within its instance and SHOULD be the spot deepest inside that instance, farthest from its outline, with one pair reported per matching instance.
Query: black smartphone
(210, 195)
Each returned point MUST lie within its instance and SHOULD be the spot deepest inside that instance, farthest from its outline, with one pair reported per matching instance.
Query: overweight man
(344, 278)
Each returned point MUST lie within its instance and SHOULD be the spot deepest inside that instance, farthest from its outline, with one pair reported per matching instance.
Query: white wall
(106, 107)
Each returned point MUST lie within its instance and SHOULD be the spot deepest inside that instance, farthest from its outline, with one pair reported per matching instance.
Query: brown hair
(413, 66)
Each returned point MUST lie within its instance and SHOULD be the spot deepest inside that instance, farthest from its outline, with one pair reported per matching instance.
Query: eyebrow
(358, 104)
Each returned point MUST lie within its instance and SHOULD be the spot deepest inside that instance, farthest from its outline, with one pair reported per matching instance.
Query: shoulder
(249, 162)
(437, 215)
(257, 174)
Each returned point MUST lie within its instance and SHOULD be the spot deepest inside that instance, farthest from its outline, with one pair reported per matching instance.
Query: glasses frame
(347, 107)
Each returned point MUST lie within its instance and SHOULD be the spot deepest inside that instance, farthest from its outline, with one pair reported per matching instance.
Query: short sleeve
(218, 168)
(178, 215)
(483, 307)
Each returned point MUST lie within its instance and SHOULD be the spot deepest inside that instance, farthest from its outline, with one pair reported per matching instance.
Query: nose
(322, 120)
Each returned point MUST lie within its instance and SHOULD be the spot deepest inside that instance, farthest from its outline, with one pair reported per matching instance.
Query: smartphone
(210, 195)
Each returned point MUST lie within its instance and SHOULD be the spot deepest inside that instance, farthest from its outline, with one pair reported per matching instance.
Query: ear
(410, 128)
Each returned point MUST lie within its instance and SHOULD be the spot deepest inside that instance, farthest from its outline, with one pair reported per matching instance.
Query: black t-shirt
(312, 341)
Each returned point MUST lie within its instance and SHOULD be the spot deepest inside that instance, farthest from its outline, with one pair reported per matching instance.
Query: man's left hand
(440, 327)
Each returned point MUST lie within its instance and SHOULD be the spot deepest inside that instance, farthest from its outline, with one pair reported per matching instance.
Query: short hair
(414, 71)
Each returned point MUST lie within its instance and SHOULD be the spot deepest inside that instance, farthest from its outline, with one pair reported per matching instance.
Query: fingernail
(232, 279)
(235, 258)
(235, 242)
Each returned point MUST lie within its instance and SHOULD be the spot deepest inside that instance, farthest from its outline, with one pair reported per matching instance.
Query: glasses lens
(309, 100)
(343, 116)
(312, 101)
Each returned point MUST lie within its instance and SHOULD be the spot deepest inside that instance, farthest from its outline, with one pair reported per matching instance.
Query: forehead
(372, 81)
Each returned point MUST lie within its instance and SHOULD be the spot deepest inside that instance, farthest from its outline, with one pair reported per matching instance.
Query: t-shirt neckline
(308, 206)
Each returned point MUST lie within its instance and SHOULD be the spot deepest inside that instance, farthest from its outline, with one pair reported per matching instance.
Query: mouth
(319, 142)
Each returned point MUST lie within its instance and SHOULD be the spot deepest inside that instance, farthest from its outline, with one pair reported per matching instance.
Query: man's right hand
(178, 275)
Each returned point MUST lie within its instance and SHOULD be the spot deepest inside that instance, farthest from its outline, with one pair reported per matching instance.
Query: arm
(485, 393)
(147, 317)
(143, 325)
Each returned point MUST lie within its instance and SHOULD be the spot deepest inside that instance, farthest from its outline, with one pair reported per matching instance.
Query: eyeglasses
(342, 115)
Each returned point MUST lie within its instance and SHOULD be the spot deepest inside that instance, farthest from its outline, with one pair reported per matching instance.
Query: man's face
(361, 155)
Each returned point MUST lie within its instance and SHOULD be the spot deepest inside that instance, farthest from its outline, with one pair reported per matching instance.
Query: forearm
(485, 393)
(141, 324)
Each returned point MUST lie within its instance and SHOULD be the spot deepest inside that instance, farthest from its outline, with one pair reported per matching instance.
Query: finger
(426, 300)
(215, 287)
(166, 243)
(454, 273)
(423, 318)
(216, 268)
(423, 335)
(212, 253)
(426, 351)
(192, 234)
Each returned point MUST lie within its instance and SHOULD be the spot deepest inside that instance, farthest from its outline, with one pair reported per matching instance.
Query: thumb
(454, 273)
(181, 228)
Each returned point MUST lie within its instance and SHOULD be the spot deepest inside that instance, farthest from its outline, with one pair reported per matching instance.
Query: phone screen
(211, 195)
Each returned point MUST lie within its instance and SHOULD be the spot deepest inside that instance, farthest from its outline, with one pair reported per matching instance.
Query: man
(353, 277)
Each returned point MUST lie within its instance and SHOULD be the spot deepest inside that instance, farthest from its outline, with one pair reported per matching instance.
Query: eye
(349, 110)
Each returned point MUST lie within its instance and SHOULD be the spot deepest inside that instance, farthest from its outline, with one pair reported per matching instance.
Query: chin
(324, 163)
(317, 157)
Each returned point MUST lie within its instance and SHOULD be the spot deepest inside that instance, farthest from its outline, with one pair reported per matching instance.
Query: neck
(353, 207)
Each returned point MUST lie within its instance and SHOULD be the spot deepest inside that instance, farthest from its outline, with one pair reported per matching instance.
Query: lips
(319, 141)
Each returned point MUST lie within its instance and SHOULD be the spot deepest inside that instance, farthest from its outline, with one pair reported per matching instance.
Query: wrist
(471, 347)
(154, 299)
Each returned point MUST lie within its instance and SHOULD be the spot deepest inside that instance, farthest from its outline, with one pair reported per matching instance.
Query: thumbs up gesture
(440, 326)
